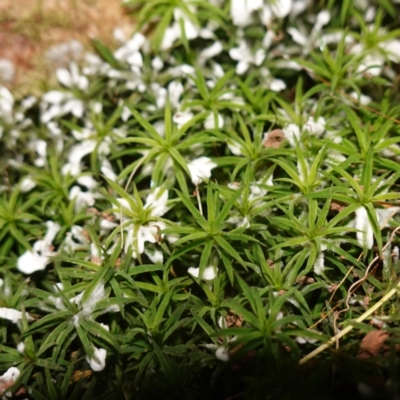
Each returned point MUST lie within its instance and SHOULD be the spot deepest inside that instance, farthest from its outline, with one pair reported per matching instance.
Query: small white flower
(82, 199)
(38, 258)
(27, 184)
(182, 117)
(200, 169)
(245, 57)
(98, 362)
(241, 11)
(316, 127)
(157, 202)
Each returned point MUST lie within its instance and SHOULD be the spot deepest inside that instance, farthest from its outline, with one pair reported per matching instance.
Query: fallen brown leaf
(336, 206)
(274, 139)
(78, 375)
(372, 342)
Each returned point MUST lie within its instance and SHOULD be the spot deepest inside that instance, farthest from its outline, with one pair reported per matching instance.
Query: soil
(31, 30)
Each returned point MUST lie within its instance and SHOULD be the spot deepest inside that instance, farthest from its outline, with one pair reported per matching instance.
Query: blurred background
(38, 36)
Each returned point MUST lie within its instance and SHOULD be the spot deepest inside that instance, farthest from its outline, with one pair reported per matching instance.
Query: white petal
(281, 8)
(52, 229)
(157, 63)
(297, 36)
(292, 134)
(136, 59)
(277, 85)
(209, 122)
(319, 265)
(242, 67)
(170, 35)
(365, 235)
(200, 169)
(194, 271)
(222, 354)
(175, 91)
(97, 363)
(157, 202)
(210, 52)
(182, 117)
(27, 184)
(316, 127)
(54, 97)
(210, 273)
(31, 262)
(88, 181)
(64, 77)
(13, 315)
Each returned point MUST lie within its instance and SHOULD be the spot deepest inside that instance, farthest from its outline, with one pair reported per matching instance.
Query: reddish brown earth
(29, 28)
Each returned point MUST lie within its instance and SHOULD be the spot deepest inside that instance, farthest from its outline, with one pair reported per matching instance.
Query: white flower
(98, 362)
(82, 199)
(310, 40)
(13, 315)
(138, 235)
(88, 306)
(181, 118)
(37, 258)
(209, 273)
(174, 32)
(275, 8)
(241, 11)
(245, 57)
(27, 184)
(200, 169)
(75, 239)
(316, 127)
(365, 234)
(130, 48)
(157, 202)
(71, 78)
(276, 85)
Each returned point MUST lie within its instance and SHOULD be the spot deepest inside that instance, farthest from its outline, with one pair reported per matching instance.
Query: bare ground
(29, 30)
